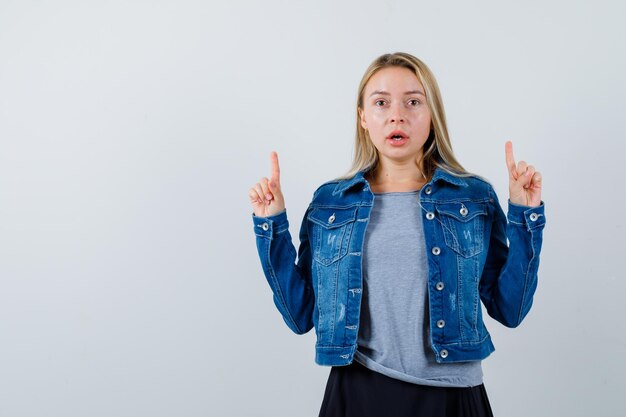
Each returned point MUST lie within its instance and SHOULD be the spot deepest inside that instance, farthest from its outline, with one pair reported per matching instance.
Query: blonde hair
(437, 149)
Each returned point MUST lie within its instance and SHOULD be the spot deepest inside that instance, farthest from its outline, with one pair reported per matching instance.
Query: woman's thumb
(273, 186)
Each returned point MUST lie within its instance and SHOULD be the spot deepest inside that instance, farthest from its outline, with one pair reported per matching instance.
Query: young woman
(397, 255)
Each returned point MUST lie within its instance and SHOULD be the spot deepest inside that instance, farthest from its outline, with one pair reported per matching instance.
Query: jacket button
(444, 353)
(439, 286)
(463, 211)
(428, 190)
(441, 323)
(265, 226)
(331, 218)
(534, 217)
(430, 215)
(436, 250)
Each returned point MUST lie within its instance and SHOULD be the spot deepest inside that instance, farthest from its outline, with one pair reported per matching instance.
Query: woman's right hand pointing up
(266, 196)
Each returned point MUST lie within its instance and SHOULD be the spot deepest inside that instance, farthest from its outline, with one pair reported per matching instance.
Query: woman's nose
(396, 114)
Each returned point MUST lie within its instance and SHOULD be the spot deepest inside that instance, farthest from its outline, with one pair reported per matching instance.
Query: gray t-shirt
(394, 334)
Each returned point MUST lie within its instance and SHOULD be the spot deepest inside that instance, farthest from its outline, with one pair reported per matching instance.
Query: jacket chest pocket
(463, 226)
(331, 232)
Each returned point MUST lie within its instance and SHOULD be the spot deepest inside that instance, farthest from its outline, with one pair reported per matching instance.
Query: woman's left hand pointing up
(524, 180)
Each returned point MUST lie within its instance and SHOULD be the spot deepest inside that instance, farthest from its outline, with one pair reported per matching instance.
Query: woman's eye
(414, 102)
(382, 102)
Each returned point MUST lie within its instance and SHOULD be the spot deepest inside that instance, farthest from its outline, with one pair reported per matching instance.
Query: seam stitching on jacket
(278, 289)
(526, 280)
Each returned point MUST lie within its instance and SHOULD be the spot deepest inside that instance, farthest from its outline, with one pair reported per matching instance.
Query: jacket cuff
(270, 225)
(530, 217)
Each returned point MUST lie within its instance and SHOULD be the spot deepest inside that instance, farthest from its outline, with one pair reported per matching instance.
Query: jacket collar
(359, 178)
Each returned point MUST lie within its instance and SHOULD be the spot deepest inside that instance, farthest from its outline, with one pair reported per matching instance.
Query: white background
(130, 133)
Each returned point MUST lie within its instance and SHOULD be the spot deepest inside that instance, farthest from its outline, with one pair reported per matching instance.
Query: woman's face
(394, 103)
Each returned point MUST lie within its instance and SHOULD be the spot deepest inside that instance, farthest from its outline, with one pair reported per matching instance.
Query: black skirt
(356, 391)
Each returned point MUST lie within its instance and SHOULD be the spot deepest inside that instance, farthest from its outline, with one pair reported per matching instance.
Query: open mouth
(397, 136)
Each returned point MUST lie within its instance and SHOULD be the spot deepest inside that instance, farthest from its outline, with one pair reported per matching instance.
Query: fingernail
(268, 196)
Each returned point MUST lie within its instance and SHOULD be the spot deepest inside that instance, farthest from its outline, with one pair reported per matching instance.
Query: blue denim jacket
(469, 261)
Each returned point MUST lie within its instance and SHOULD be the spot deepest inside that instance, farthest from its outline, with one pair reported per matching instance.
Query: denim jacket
(469, 261)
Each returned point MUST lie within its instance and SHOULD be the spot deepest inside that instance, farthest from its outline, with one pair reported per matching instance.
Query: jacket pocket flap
(462, 211)
(332, 217)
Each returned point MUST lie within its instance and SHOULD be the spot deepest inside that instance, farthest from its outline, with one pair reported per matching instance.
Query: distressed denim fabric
(469, 261)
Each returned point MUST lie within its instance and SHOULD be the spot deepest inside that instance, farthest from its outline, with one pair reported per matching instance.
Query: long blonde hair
(437, 149)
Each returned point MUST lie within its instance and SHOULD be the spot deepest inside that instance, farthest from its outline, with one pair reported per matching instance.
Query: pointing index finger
(510, 160)
(275, 167)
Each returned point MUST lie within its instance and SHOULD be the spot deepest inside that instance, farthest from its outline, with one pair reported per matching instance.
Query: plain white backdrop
(130, 133)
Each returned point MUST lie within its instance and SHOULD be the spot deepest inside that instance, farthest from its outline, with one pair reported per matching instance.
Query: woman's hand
(266, 196)
(524, 181)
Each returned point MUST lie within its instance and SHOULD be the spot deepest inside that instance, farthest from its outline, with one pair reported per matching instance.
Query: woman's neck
(383, 181)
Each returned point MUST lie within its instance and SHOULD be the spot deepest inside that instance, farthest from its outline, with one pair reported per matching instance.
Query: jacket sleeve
(509, 278)
(289, 280)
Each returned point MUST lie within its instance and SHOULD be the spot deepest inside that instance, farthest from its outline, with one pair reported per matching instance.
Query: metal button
(444, 353)
(439, 286)
(430, 215)
(463, 211)
(331, 218)
(534, 217)
(436, 250)
(265, 226)
(428, 190)
(441, 323)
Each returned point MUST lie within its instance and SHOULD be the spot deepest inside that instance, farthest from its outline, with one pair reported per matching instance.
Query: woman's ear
(362, 117)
